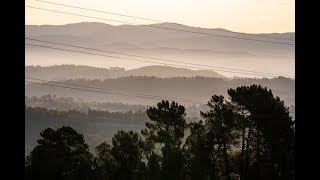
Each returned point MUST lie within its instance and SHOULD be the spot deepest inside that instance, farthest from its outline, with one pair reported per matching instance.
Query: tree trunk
(226, 166)
(284, 167)
(213, 167)
(258, 151)
(242, 153)
(216, 174)
(246, 162)
(225, 154)
(213, 170)
(289, 161)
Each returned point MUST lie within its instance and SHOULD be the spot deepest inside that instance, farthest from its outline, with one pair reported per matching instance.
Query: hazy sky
(251, 16)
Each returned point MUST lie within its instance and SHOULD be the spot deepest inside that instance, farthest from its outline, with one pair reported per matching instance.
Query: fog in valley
(61, 86)
(212, 51)
(174, 90)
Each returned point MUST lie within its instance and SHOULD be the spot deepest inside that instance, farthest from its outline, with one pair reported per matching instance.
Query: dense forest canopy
(250, 135)
(69, 103)
(96, 125)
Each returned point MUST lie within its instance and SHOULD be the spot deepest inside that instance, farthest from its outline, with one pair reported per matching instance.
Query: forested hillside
(97, 125)
(195, 88)
(250, 134)
(64, 72)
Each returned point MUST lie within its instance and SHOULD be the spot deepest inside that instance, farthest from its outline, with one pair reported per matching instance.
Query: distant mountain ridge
(143, 40)
(98, 27)
(144, 36)
(64, 72)
(181, 89)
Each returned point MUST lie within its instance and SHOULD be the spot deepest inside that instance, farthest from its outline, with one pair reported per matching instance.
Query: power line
(173, 29)
(91, 87)
(94, 10)
(145, 57)
(104, 92)
(174, 65)
(81, 52)
(154, 20)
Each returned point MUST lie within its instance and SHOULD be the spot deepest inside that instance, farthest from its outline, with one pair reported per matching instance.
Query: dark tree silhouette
(154, 167)
(222, 125)
(251, 135)
(122, 160)
(61, 154)
(201, 152)
(127, 149)
(105, 164)
(273, 127)
(167, 129)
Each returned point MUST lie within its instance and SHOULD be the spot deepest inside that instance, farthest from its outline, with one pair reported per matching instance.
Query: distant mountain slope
(124, 36)
(160, 43)
(167, 72)
(64, 72)
(68, 103)
(196, 89)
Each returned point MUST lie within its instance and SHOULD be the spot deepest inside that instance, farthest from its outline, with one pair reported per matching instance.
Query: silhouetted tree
(252, 134)
(273, 129)
(154, 167)
(122, 160)
(221, 123)
(60, 154)
(201, 152)
(105, 164)
(167, 128)
(127, 149)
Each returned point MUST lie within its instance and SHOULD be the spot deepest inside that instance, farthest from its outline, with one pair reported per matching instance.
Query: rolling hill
(64, 72)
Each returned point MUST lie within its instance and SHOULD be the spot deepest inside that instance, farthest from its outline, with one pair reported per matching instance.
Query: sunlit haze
(261, 16)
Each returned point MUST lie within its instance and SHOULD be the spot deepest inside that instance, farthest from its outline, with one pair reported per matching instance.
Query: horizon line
(224, 29)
